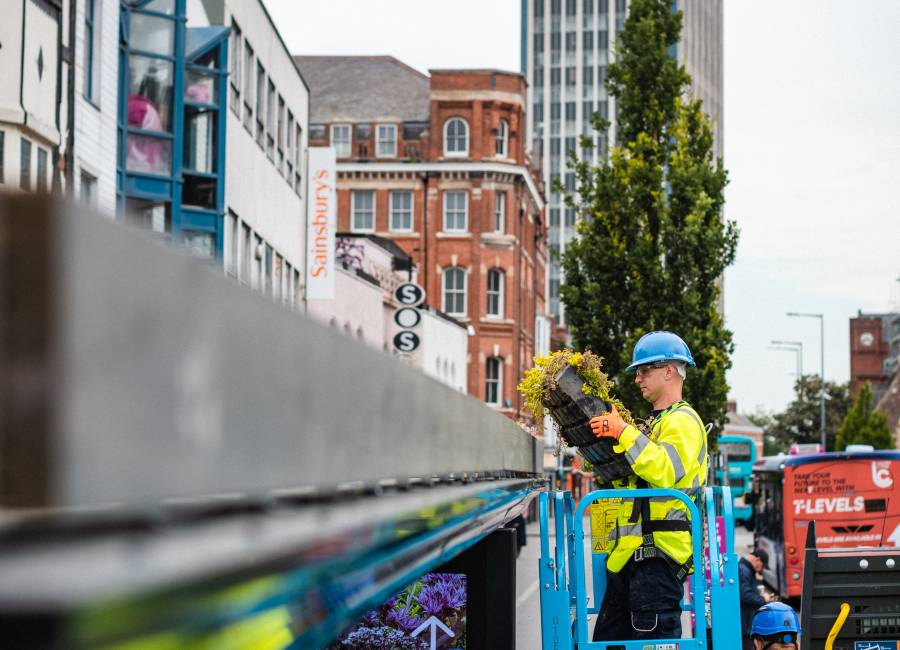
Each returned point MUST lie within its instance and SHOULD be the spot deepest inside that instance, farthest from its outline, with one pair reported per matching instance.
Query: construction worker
(776, 626)
(750, 598)
(652, 552)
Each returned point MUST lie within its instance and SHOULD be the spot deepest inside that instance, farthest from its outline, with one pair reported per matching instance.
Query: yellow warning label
(603, 520)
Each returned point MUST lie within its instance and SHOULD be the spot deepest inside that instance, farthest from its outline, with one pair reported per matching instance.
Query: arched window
(493, 380)
(456, 137)
(502, 144)
(495, 293)
(359, 334)
(455, 291)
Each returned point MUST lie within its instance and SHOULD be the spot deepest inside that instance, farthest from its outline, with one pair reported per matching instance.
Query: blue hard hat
(776, 619)
(660, 346)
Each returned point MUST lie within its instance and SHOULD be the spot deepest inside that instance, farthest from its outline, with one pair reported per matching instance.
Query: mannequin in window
(145, 154)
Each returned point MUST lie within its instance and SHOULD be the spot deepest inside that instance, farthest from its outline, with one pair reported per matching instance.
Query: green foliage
(799, 422)
(864, 425)
(765, 421)
(652, 242)
(540, 380)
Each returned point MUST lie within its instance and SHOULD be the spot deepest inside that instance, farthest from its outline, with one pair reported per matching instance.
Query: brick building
(874, 351)
(438, 165)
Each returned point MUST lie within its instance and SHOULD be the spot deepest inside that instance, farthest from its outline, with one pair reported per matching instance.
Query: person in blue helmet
(776, 626)
(652, 551)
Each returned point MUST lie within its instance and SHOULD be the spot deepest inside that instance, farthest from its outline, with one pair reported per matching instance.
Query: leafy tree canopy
(863, 425)
(799, 422)
(652, 243)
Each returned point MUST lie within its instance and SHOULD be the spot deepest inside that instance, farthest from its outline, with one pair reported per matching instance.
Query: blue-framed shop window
(203, 163)
(171, 129)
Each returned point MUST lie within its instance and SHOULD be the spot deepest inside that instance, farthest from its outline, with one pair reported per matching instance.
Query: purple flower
(454, 593)
(372, 619)
(447, 593)
(404, 618)
(381, 638)
(431, 598)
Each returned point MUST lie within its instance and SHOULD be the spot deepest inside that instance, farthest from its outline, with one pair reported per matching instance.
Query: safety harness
(641, 510)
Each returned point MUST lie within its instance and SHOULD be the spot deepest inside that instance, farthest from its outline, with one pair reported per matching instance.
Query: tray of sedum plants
(572, 388)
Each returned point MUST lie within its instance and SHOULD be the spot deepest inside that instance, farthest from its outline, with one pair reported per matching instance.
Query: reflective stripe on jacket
(672, 455)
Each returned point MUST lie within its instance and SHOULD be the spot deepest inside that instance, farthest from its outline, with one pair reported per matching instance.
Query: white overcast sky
(812, 144)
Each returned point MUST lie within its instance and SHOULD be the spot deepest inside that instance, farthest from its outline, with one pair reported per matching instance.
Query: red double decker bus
(854, 498)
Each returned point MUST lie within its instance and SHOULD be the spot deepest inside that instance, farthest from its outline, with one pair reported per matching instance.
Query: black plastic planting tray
(571, 409)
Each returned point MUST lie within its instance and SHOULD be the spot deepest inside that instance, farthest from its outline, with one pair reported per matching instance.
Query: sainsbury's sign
(321, 211)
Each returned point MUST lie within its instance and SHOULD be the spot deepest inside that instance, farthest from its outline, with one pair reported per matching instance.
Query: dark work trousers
(641, 602)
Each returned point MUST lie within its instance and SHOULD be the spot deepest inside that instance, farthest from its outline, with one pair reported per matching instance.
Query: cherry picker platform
(566, 604)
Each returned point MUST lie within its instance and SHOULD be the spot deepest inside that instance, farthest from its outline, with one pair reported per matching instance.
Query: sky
(812, 146)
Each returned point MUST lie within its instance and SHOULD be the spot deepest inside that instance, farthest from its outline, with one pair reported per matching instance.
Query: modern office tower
(566, 48)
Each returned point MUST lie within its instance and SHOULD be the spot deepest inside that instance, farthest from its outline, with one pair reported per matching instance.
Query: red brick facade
(868, 350)
(491, 103)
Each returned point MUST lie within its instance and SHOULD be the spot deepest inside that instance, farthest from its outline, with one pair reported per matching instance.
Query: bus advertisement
(738, 456)
(853, 497)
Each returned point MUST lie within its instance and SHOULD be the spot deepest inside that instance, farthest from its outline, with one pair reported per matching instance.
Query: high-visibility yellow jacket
(672, 454)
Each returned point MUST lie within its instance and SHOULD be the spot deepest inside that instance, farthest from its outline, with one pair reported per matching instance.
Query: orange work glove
(608, 425)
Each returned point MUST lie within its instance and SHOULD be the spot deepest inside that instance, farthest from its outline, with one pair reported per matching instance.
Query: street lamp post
(795, 346)
(821, 318)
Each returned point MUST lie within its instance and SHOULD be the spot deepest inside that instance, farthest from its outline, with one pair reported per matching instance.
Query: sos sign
(406, 341)
(409, 295)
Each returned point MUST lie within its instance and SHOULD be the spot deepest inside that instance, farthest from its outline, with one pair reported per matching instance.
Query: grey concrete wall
(131, 373)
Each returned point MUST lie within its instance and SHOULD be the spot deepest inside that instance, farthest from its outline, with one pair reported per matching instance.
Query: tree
(800, 423)
(864, 425)
(652, 244)
(765, 420)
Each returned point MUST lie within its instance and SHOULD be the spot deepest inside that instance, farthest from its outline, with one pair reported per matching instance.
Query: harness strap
(645, 552)
(665, 526)
(637, 509)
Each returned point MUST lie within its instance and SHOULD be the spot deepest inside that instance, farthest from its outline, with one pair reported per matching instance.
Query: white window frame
(497, 293)
(249, 65)
(465, 227)
(93, 23)
(499, 211)
(353, 211)
(288, 284)
(235, 59)
(502, 143)
(339, 151)
(379, 141)
(231, 244)
(257, 281)
(289, 149)
(489, 381)
(460, 153)
(393, 194)
(455, 290)
(245, 270)
(87, 186)
(277, 276)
